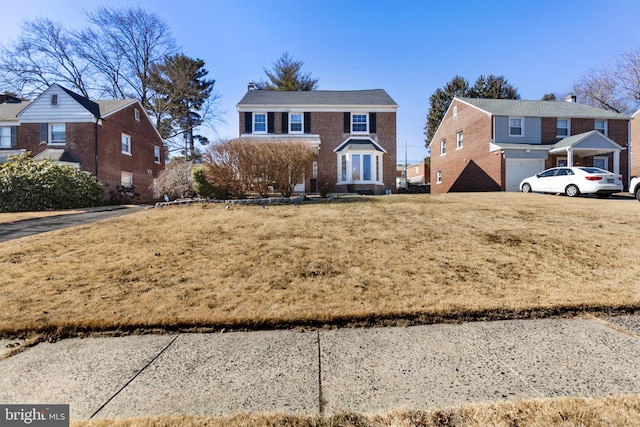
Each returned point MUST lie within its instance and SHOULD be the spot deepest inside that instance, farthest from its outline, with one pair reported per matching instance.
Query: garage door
(518, 169)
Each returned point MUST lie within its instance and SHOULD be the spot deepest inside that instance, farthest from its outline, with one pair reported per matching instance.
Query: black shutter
(372, 123)
(14, 141)
(285, 122)
(44, 133)
(307, 122)
(248, 122)
(347, 122)
(270, 123)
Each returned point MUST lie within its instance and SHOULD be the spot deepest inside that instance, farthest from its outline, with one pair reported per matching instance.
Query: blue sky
(408, 48)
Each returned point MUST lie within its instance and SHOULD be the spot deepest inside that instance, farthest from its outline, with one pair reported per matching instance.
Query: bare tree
(44, 53)
(615, 87)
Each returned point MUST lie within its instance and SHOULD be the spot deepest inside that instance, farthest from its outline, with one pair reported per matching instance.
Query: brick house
(353, 134)
(492, 144)
(634, 150)
(113, 140)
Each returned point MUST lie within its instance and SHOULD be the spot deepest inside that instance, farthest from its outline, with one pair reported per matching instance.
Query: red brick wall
(473, 167)
(635, 146)
(330, 127)
(81, 141)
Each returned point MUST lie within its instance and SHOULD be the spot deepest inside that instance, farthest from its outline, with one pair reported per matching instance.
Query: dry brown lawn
(601, 412)
(417, 258)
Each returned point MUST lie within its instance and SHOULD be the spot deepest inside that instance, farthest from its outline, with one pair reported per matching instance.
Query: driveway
(28, 227)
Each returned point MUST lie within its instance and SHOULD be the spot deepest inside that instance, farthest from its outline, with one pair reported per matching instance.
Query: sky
(407, 48)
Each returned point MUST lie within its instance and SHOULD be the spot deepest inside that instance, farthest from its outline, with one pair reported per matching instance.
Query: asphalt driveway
(28, 227)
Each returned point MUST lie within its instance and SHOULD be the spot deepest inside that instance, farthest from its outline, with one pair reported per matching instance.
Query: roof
(591, 139)
(519, 107)
(357, 144)
(57, 155)
(374, 97)
(112, 105)
(91, 106)
(9, 111)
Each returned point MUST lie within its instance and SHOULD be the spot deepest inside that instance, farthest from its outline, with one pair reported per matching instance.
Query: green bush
(204, 188)
(27, 185)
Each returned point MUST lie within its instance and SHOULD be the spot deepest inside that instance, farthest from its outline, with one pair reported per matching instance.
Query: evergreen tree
(287, 75)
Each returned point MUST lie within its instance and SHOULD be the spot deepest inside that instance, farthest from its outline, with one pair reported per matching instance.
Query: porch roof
(359, 144)
(589, 143)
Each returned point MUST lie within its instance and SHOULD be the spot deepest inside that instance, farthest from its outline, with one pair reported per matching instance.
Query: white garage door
(519, 169)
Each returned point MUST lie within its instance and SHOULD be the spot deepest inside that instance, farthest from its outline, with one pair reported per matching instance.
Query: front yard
(362, 261)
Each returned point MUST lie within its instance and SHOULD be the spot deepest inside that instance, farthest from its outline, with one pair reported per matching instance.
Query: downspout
(96, 147)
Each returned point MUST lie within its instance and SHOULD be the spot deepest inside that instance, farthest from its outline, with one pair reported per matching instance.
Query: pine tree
(287, 75)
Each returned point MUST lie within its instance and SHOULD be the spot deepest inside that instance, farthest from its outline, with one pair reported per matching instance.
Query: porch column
(616, 162)
(569, 157)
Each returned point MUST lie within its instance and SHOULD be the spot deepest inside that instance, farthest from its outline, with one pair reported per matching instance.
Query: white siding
(68, 109)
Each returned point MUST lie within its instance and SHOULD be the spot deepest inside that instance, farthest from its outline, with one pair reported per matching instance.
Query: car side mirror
(537, 175)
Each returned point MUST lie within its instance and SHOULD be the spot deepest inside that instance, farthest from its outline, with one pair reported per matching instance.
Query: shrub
(27, 185)
(203, 188)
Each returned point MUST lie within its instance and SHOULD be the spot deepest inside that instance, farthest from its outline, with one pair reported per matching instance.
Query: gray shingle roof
(318, 97)
(57, 155)
(9, 111)
(518, 107)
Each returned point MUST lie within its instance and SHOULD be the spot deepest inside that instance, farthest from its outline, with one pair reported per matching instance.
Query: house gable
(57, 105)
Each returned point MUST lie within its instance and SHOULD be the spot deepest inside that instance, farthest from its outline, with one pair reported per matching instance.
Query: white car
(634, 187)
(574, 181)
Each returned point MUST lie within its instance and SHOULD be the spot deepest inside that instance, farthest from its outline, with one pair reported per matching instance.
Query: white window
(126, 144)
(601, 162)
(361, 167)
(137, 114)
(601, 126)
(156, 154)
(562, 128)
(516, 127)
(57, 133)
(126, 179)
(455, 110)
(443, 147)
(5, 137)
(259, 123)
(359, 123)
(459, 141)
(438, 177)
(296, 123)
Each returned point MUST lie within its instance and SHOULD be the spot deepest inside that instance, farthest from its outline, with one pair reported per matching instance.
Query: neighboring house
(418, 173)
(492, 144)
(113, 140)
(353, 134)
(634, 150)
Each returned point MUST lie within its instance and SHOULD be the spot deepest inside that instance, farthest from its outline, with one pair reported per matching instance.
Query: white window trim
(438, 177)
(137, 114)
(253, 124)
(374, 172)
(124, 174)
(459, 140)
(366, 123)
(122, 136)
(568, 128)
(443, 147)
(156, 158)
(606, 126)
(521, 127)
(301, 123)
(50, 141)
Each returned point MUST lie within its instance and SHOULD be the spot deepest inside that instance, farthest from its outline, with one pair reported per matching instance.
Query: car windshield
(594, 170)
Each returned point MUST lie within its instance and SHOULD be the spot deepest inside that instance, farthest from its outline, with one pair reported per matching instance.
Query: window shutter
(248, 122)
(14, 141)
(307, 122)
(44, 133)
(347, 122)
(285, 122)
(270, 123)
(372, 123)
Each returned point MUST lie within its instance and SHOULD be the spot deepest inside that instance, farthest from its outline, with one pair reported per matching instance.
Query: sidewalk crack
(321, 401)
(134, 377)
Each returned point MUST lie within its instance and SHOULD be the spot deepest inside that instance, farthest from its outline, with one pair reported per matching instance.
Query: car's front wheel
(572, 190)
(526, 188)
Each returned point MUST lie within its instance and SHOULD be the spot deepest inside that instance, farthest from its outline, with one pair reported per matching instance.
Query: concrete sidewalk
(327, 371)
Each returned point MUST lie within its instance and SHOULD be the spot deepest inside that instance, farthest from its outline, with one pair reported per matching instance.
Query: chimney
(251, 86)
(571, 98)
